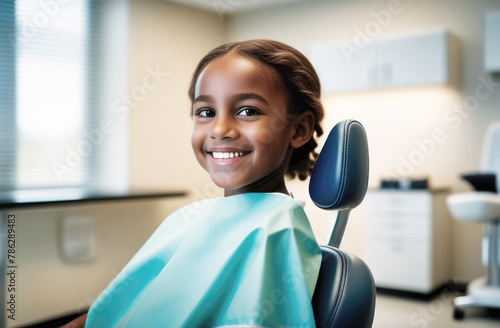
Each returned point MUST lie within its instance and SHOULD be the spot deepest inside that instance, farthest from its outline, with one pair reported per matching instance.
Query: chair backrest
(490, 157)
(345, 292)
(340, 175)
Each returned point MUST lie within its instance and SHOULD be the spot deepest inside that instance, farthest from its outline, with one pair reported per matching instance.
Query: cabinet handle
(395, 244)
(395, 201)
(386, 73)
(396, 225)
(372, 75)
(396, 247)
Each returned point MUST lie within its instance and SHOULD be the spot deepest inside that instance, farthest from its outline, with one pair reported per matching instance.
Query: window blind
(50, 93)
(7, 96)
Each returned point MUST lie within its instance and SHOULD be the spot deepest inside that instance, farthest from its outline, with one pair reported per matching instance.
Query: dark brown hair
(299, 79)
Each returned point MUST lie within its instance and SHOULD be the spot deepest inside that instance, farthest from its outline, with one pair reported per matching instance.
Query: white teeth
(227, 155)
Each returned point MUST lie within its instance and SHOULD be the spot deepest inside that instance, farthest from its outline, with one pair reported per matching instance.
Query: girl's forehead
(238, 67)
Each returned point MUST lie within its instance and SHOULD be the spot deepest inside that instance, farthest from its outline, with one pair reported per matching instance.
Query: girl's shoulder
(251, 209)
(241, 201)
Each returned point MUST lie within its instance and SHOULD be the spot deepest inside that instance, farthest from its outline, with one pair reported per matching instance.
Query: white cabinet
(341, 71)
(408, 244)
(492, 42)
(417, 59)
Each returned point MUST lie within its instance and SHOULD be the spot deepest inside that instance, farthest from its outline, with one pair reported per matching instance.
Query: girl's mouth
(224, 155)
(227, 158)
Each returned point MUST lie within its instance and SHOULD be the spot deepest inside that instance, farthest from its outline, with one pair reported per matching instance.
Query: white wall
(173, 38)
(395, 118)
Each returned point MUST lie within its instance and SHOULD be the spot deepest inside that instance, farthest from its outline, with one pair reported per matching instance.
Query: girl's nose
(223, 127)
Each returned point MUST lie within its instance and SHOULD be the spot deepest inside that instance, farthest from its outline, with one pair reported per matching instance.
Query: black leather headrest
(340, 176)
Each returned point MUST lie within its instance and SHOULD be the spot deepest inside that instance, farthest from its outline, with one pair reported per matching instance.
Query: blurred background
(94, 95)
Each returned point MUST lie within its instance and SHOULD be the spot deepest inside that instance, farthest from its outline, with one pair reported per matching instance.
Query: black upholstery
(345, 292)
(340, 175)
(482, 181)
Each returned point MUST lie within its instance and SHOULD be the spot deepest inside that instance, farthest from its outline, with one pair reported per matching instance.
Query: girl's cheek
(195, 141)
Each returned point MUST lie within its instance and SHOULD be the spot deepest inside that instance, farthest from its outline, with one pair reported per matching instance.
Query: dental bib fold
(243, 260)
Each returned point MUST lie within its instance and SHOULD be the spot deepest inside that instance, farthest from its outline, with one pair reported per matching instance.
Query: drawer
(400, 215)
(399, 264)
(399, 200)
(414, 229)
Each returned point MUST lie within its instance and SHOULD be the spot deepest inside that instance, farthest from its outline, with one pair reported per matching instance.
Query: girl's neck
(274, 182)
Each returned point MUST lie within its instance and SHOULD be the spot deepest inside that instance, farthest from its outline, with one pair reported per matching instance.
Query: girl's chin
(225, 183)
(230, 187)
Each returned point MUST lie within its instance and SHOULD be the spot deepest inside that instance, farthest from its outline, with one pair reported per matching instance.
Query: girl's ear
(304, 128)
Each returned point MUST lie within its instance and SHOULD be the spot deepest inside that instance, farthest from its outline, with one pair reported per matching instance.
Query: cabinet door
(343, 66)
(398, 263)
(413, 60)
(411, 225)
(492, 42)
(394, 200)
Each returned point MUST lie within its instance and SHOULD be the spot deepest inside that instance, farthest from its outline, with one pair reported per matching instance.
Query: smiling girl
(259, 94)
(248, 259)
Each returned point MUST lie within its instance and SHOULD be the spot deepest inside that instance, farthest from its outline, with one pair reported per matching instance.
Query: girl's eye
(248, 111)
(205, 113)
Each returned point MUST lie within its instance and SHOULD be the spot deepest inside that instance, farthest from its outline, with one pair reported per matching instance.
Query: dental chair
(345, 291)
(482, 206)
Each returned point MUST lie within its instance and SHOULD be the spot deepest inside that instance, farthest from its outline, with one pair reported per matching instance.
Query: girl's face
(241, 132)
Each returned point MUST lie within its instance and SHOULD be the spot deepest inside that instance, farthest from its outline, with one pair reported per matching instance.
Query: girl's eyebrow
(236, 98)
(245, 96)
(202, 98)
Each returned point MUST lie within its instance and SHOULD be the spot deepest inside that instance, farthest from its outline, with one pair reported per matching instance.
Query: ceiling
(228, 7)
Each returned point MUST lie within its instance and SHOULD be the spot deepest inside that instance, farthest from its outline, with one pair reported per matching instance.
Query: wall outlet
(78, 238)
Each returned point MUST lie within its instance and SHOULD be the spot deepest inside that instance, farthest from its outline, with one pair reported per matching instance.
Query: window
(53, 92)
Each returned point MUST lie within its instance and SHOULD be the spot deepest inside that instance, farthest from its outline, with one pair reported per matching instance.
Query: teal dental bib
(244, 260)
